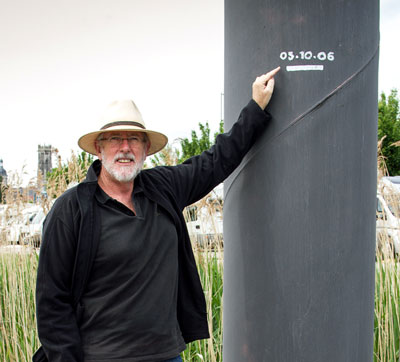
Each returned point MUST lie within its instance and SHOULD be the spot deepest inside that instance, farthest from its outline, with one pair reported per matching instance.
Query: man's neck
(121, 191)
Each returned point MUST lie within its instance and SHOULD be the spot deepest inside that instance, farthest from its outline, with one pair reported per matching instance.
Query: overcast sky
(62, 62)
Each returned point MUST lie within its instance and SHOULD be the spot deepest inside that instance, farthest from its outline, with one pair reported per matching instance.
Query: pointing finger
(267, 76)
(273, 72)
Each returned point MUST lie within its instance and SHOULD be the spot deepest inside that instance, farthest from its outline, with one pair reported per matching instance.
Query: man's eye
(115, 139)
(133, 139)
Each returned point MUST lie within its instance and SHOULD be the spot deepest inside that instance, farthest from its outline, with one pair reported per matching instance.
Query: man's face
(122, 154)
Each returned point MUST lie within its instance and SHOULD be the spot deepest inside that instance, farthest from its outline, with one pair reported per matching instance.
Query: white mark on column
(297, 68)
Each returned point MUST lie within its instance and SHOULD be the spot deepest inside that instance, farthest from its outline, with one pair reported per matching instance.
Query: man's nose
(124, 145)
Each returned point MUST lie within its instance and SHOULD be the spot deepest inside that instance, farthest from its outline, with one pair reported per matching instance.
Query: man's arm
(200, 174)
(57, 326)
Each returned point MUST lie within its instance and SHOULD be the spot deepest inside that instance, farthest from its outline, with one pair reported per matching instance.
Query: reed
(387, 278)
(387, 308)
(18, 336)
(210, 268)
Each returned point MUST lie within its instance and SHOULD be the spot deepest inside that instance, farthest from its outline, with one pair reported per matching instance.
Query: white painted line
(296, 68)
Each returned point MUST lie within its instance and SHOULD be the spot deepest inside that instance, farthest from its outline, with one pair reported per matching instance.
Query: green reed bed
(387, 309)
(18, 336)
(210, 268)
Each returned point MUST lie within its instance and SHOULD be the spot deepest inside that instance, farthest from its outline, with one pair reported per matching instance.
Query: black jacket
(71, 236)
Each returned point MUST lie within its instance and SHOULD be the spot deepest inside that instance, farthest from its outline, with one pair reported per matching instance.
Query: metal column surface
(299, 212)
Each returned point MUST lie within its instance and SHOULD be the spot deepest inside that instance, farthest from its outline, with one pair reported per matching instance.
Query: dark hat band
(123, 123)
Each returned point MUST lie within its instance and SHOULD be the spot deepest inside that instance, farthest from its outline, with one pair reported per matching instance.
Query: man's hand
(263, 88)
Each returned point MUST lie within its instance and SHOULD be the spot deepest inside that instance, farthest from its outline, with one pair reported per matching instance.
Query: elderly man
(117, 280)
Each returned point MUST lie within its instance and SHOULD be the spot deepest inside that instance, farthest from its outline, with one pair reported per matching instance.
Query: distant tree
(389, 126)
(198, 143)
(170, 155)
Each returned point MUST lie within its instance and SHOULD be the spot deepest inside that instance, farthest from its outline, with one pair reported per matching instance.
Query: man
(117, 280)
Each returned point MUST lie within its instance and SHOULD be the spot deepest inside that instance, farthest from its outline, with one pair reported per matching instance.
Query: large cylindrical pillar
(299, 213)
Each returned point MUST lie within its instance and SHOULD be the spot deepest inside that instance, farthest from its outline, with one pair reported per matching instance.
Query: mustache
(128, 155)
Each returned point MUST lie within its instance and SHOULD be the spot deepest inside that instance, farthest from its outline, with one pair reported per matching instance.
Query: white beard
(122, 173)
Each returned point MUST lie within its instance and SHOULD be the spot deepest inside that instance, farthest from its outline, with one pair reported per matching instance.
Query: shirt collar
(102, 197)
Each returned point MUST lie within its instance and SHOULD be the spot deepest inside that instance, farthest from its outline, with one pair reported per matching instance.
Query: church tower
(44, 159)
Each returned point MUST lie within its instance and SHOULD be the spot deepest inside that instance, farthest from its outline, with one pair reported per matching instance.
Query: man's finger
(273, 72)
(267, 76)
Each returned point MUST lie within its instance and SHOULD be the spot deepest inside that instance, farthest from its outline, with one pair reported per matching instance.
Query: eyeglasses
(117, 140)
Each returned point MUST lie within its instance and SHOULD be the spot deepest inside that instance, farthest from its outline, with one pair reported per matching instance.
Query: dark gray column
(299, 213)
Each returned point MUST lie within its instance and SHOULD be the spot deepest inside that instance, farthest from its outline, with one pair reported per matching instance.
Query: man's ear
(98, 149)
(148, 145)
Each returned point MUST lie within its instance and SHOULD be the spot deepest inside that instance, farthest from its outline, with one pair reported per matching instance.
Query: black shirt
(131, 298)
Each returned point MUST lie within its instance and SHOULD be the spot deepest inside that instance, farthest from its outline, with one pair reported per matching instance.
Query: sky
(62, 62)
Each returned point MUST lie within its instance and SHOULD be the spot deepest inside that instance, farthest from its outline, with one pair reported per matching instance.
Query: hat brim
(157, 139)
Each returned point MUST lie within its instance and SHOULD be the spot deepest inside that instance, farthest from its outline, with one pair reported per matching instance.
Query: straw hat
(123, 116)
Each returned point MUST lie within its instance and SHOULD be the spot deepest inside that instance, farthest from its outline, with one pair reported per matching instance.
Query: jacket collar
(93, 172)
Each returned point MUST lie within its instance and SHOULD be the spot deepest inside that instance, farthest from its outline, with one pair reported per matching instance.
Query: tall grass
(18, 337)
(387, 282)
(387, 308)
(211, 271)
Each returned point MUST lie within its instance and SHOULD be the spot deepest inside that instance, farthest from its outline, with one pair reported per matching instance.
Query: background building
(3, 173)
(44, 159)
